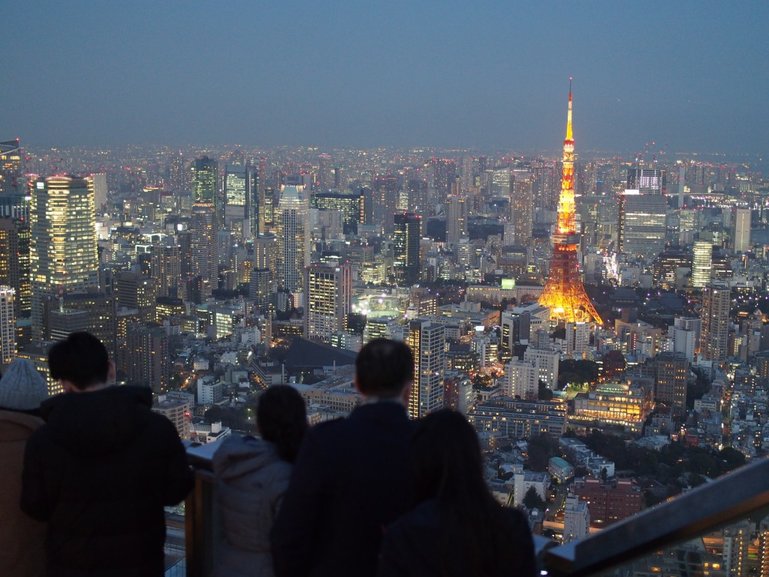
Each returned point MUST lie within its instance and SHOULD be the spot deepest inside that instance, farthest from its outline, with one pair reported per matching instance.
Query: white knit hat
(22, 388)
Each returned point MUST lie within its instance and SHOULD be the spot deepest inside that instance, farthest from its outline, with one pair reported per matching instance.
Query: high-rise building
(7, 325)
(702, 263)
(328, 298)
(646, 180)
(564, 294)
(14, 261)
(165, 268)
(293, 238)
(671, 377)
(63, 255)
(351, 205)
(384, 193)
(456, 219)
(205, 180)
(203, 246)
(684, 335)
(576, 519)
(641, 228)
(714, 335)
(741, 230)
(522, 207)
(237, 190)
(148, 359)
(427, 342)
(546, 362)
(522, 380)
(99, 180)
(408, 230)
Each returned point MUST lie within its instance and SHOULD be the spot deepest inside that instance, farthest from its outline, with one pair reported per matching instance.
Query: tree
(540, 449)
(532, 500)
(544, 393)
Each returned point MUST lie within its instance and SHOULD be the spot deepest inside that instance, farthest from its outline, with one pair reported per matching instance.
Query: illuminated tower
(328, 294)
(564, 293)
(63, 253)
(408, 227)
(426, 340)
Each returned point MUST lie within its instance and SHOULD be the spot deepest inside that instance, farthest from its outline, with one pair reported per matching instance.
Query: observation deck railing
(740, 495)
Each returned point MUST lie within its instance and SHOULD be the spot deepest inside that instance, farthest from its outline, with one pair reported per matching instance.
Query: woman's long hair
(281, 417)
(448, 467)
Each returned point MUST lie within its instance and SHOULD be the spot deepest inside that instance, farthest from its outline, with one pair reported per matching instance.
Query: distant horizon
(688, 76)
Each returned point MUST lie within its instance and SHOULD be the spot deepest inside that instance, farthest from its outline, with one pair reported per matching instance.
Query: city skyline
(688, 77)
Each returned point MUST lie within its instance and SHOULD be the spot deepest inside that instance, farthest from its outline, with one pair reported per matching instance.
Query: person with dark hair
(101, 469)
(22, 389)
(457, 528)
(351, 477)
(251, 476)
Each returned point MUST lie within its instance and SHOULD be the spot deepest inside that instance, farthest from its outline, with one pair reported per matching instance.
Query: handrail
(708, 507)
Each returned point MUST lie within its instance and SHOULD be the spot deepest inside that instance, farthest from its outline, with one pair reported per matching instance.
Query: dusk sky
(689, 75)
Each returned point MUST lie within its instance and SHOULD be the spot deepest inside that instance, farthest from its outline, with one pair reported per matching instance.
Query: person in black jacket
(457, 529)
(351, 478)
(101, 469)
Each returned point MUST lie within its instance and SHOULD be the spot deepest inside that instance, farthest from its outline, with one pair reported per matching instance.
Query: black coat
(350, 481)
(99, 472)
(414, 546)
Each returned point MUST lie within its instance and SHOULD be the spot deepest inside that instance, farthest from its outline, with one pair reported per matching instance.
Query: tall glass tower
(63, 254)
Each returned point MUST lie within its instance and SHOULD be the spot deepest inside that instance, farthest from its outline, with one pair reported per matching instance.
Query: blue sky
(689, 75)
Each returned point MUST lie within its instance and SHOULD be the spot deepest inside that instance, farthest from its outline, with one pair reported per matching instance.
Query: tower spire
(564, 294)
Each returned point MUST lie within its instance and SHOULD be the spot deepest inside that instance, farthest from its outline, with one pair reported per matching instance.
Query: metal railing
(743, 493)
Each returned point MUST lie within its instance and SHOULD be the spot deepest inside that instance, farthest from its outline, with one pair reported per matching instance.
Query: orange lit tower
(564, 293)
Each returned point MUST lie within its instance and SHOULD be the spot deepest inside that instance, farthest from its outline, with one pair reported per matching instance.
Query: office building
(408, 230)
(646, 180)
(613, 405)
(576, 519)
(702, 263)
(10, 167)
(546, 362)
(292, 236)
(237, 190)
(714, 333)
(522, 207)
(522, 380)
(684, 334)
(99, 180)
(7, 325)
(741, 230)
(328, 294)
(350, 205)
(148, 360)
(671, 374)
(63, 255)
(205, 181)
(14, 262)
(456, 218)
(609, 501)
(519, 418)
(203, 247)
(641, 227)
(427, 342)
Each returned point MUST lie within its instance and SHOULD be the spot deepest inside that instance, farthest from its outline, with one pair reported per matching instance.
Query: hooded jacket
(251, 479)
(21, 553)
(100, 472)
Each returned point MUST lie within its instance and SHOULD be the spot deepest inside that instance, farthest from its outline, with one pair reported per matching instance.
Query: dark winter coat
(21, 538)
(99, 472)
(414, 546)
(350, 481)
(250, 481)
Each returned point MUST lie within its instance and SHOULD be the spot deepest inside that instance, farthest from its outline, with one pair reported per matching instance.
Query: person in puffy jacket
(22, 389)
(252, 475)
(101, 469)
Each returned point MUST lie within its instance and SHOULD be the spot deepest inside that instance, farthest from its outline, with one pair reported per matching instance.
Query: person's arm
(36, 500)
(297, 525)
(179, 477)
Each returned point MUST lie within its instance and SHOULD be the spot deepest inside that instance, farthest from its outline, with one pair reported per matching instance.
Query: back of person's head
(22, 387)
(281, 417)
(383, 368)
(81, 359)
(447, 466)
(446, 458)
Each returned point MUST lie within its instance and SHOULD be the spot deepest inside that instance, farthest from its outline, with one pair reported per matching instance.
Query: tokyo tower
(564, 294)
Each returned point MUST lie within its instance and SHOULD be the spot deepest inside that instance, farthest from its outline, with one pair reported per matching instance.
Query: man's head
(384, 368)
(80, 362)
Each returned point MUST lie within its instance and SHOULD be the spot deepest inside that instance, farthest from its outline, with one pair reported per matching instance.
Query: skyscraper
(456, 218)
(293, 237)
(741, 230)
(714, 334)
(203, 246)
(641, 228)
(205, 178)
(522, 206)
(328, 297)
(671, 376)
(10, 167)
(564, 294)
(7, 325)
(427, 340)
(63, 255)
(14, 261)
(702, 263)
(408, 230)
(237, 190)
